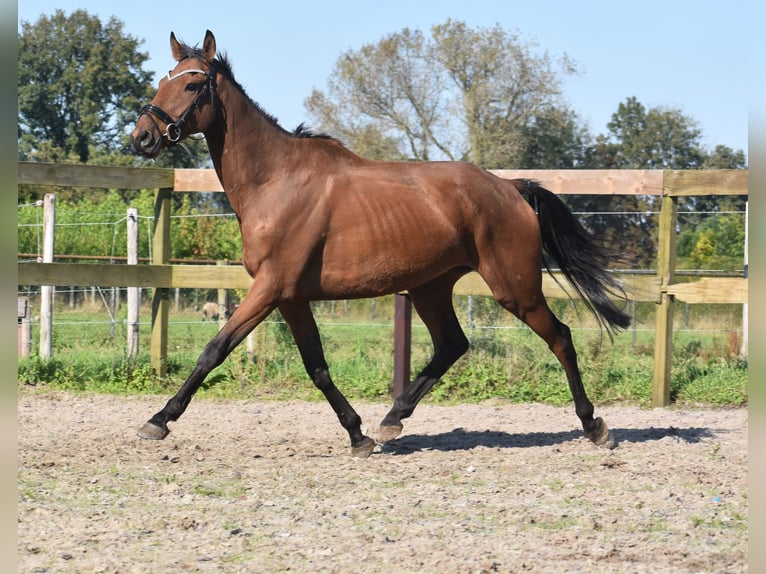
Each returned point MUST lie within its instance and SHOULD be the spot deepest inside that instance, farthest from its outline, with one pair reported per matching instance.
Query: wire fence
(116, 222)
(98, 321)
(96, 312)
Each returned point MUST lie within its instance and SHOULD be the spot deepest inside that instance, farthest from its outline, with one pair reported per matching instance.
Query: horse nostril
(143, 141)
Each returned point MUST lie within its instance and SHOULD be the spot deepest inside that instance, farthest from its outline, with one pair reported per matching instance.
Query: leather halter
(173, 127)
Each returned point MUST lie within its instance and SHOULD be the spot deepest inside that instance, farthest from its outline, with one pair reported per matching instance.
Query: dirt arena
(254, 486)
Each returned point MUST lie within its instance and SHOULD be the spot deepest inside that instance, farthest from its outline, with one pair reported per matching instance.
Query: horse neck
(245, 145)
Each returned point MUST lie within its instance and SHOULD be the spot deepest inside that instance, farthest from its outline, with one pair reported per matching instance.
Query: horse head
(184, 103)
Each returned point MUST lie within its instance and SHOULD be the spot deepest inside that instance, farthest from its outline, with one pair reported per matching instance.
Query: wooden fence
(662, 289)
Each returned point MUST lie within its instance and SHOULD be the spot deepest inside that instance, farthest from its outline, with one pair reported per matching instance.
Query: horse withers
(320, 222)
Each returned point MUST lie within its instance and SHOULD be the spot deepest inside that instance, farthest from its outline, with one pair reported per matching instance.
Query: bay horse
(319, 222)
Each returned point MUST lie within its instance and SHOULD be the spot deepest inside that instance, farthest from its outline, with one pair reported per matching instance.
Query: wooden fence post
(133, 292)
(46, 291)
(402, 342)
(663, 342)
(25, 327)
(161, 295)
(223, 301)
(743, 351)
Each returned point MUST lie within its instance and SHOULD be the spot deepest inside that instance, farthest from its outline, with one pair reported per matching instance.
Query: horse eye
(193, 87)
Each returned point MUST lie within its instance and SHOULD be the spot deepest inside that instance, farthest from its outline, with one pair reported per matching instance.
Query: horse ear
(208, 45)
(175, 48)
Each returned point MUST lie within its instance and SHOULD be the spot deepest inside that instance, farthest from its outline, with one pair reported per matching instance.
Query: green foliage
(723, 157)
(83, 370)
(657, 138)
(554, 139)
(509, 364)
(95, 225)
(80, 82)
(698, 375)
(715, 243)
(197, 236)
(654, 138)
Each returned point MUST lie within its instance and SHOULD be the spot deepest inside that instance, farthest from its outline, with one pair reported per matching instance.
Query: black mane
(223, 65)
(304, 132)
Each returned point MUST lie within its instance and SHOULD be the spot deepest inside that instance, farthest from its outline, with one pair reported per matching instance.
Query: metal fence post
(402, 342)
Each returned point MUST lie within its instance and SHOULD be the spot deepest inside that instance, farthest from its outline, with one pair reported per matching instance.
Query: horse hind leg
(595, 429)
(533, 310)
(433, 303)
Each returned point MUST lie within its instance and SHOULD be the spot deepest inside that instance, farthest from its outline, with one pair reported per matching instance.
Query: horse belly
(363, 271)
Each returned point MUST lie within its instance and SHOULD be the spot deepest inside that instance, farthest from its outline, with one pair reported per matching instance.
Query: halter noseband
(173, 127)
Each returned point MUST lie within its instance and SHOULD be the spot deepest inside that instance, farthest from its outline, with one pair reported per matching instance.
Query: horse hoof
(152, 431)
(364, 449)
(389, 432)
(602, 436)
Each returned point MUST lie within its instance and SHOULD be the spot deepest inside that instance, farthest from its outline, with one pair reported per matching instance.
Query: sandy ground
(253, 486)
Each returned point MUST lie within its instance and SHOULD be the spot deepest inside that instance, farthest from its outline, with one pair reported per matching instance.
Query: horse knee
(322, 380)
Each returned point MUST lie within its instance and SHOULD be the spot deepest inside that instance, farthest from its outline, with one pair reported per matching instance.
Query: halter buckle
(173, 132)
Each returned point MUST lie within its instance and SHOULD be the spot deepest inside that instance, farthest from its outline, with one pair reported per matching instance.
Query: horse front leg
(251, 312)
(306, 334)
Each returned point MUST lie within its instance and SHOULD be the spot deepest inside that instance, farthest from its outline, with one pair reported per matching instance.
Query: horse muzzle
(146, 143)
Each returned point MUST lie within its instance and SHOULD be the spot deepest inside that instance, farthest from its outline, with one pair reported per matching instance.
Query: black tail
(579, 256)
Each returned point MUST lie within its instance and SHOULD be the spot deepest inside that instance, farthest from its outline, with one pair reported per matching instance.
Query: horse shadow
(461, 439)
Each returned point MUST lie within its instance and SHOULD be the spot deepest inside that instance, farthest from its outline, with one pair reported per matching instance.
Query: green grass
(506, 362)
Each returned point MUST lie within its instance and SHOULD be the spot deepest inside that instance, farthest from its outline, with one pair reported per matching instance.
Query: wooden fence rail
(662, 289)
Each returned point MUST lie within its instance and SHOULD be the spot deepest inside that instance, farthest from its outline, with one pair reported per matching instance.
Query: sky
(690, 55)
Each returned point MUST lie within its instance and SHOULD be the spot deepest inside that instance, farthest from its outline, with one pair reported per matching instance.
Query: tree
(657, 138)
(653, 138)
(554, 139)
(723, 157)
(80, 85)
(460, 94)
(502, 89)
(717, 242)
(384, 96)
